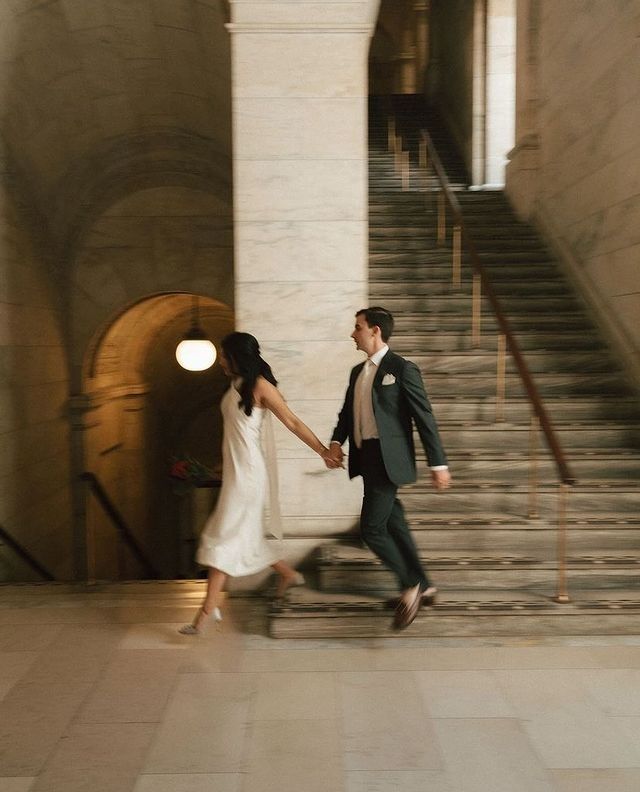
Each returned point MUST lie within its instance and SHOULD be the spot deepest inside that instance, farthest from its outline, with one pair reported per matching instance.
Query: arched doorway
(141, 409)
(117, 142)
(471, 81)
(460, 56)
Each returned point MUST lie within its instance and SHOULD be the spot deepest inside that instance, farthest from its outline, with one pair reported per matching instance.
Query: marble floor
(99, 692)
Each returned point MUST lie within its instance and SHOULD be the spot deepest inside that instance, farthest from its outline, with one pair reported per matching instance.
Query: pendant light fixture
(195, 352)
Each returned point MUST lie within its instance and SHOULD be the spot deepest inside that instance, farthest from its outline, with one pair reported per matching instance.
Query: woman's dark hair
(243, 353)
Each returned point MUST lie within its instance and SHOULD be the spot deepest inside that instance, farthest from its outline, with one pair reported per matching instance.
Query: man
(385, 395)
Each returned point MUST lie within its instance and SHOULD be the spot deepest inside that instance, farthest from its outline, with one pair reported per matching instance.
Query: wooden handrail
(17, 548)
(565, 475)
(119, 522)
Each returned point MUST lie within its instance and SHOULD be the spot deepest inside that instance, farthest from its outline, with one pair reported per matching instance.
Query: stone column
(499, 88)
(522, 170)
(299, 73)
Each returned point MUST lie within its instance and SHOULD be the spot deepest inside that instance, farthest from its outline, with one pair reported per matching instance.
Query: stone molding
(295, 27)
(530, 142)
(83, 403)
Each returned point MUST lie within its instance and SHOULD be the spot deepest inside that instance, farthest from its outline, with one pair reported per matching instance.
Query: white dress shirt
(365, 427)
(364, 420)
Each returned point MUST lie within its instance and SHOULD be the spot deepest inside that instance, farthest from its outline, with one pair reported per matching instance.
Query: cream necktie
(362, 391)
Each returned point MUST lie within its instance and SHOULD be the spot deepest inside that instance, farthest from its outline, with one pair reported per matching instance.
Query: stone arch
(137, 410)
(168, 238)
(131, 164)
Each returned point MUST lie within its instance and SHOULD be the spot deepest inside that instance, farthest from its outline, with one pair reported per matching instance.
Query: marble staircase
(495, 566)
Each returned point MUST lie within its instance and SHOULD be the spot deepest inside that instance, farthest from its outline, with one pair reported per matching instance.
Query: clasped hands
(333, 456)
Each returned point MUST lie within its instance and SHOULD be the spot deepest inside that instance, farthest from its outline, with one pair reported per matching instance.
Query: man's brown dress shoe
(429, 597)
(405, 614)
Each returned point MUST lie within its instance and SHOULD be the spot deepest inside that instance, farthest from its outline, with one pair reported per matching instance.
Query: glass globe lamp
(195, 352)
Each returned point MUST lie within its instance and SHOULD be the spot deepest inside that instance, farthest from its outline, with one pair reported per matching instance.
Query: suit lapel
(382, 369)
(355, 373)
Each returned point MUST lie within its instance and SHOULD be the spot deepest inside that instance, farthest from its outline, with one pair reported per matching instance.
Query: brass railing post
(405, 171)
(501, 376)
(391, 133)
(475, 310)
(562, 594)
(442, 217)
(457, 256)
(397, 159)
(534, 429)
(423, 161)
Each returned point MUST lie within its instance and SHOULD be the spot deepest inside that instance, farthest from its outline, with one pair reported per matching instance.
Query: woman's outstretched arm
(268, 396)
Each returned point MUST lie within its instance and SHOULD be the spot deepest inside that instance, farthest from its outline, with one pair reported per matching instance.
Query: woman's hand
(333, 459)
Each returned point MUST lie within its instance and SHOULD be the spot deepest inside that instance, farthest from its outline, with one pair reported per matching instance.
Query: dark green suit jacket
(396, 405)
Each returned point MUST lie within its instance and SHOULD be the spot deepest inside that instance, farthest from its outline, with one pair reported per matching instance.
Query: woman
(232, 542)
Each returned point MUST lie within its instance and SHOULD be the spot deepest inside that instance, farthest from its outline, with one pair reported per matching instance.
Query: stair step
(436, 266)
(536, 541)
(351, 568)
(312, 614)
(409, 345)
(506, 242)
(491, 251)
(441, 386)
(482, 408)
(412, 321)
(480, 361)
(359, 557)
(439, 284)
(532, 306)
(586, 532)
(476, 499)
(514, 468)
(437, 259)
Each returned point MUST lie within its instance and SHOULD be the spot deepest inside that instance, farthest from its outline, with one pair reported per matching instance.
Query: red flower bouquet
(187, 472)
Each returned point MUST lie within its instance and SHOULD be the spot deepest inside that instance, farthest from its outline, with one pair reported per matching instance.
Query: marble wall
(300, 223)
(35, 501)
(575, 167)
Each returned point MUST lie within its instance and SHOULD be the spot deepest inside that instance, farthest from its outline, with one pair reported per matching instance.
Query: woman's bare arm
(268, 396)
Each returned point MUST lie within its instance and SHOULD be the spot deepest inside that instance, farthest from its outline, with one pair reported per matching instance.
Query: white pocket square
(388, 379)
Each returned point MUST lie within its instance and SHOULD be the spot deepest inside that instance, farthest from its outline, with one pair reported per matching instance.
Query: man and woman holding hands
(385, 399)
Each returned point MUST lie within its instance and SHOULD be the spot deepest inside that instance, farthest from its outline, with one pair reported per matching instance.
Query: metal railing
(461, 240)
(24, 555)
(119, 523)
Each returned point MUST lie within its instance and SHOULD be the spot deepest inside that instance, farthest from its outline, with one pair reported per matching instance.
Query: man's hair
(378, 316)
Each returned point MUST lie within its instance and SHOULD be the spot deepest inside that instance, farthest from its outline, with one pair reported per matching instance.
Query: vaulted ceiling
(102, 97)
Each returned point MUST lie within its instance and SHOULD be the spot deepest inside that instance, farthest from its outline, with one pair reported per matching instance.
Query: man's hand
(334, 458)
(441, 479)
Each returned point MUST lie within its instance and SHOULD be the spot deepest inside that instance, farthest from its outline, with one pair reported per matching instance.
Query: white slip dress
(233, 538)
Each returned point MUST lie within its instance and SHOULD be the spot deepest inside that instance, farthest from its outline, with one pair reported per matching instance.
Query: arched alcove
(398, 52)
(141, 409)
(115, 150)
